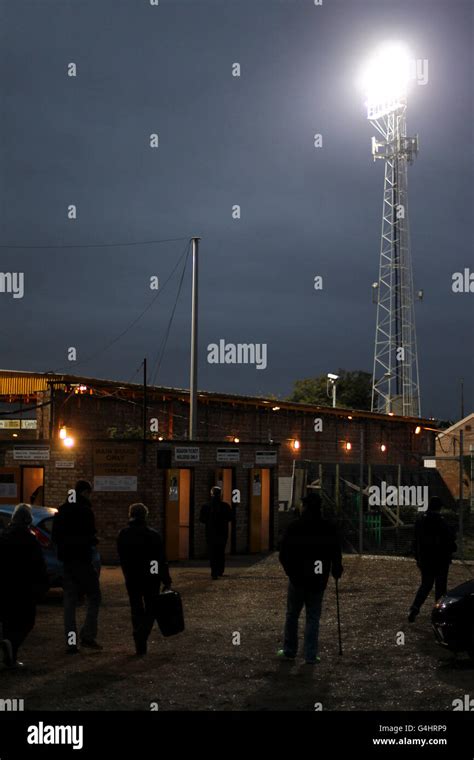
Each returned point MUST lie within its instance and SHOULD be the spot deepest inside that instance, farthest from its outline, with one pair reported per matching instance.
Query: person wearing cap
(24, 582)
(144, 566)
(434, 547)
(216, 516)
(74, 534)
(309, 551)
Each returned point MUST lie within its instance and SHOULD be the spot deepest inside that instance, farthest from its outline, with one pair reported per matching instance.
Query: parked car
(41, 528)
(453, 619)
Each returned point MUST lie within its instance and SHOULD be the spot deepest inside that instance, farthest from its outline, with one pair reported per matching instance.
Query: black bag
(169, 613)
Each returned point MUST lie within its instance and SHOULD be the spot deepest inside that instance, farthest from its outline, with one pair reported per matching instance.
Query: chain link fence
(380, 529)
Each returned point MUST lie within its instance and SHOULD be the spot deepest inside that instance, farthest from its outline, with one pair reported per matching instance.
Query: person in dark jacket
(24, 581)
(310, 550)
(434, 549)
(144, 566)
(216, 516)
(74, 534)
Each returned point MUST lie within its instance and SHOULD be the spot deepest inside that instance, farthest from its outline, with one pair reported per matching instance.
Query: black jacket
(23, 574)
(307, 541)
(216, 516)
(74, 531)
(434, 540)
(138, 546)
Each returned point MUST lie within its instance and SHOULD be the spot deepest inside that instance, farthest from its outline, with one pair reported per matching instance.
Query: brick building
(133, 446)
(448, 445)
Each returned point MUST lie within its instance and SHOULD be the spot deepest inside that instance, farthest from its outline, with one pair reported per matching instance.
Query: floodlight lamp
(332, 377)
(384, 79)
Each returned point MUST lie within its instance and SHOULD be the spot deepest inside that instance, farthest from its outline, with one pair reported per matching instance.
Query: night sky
(223, 141)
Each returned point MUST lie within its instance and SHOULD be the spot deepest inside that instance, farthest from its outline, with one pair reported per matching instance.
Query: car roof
(39, 513)
(463, 589)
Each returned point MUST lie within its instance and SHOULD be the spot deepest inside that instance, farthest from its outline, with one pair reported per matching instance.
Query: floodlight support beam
(395, 382)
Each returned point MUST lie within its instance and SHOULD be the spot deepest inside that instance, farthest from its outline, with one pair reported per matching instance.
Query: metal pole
(144, 411)
(51, 410)
(462, 398)
(461, 493)
(399, 483)
(334, 395)
(194, 341)
(292, 486)
(361, 493)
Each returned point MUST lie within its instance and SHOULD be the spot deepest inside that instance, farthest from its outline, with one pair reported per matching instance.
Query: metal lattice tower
(395, 383)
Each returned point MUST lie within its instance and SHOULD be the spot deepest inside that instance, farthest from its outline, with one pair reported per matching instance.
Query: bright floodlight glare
(385, 78)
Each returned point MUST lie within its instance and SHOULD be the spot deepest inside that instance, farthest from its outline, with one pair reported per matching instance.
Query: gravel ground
(203, 669)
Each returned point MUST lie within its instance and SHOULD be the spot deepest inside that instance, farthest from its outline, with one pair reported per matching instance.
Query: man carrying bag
(145, 568)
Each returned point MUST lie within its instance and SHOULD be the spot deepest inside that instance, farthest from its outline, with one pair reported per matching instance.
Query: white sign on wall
(17, 424)
(8, 491)
(31, 453)
(265, 457)
(186, 453)
(65, 464)
(115, 482)
(29, 424)
(228, 455)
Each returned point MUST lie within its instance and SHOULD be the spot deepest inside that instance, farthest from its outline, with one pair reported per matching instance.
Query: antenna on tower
(395, 382)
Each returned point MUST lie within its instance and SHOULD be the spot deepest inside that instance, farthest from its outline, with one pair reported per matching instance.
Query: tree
(354, 390)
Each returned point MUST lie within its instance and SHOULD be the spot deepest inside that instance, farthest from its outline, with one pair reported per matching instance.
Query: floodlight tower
(395, 382)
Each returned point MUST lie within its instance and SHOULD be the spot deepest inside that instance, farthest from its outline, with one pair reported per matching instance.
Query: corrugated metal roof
(18, 383)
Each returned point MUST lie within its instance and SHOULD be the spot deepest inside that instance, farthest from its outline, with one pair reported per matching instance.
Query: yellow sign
(115, 459)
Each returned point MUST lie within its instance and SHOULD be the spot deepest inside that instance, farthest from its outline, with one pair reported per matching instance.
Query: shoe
(91, 644)
(17, 665)
(7, 653)
(281, 654)
(140, 648)
(412, 615)
(72, 649)
(316, 661)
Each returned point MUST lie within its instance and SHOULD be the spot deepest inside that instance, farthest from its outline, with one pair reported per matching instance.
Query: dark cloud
(226, 141)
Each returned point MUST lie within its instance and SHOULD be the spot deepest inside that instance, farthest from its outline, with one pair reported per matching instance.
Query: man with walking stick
(310, 550)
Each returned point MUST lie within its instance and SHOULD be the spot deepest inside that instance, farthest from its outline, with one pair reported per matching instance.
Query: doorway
(32, 485)
(259, 518)
(177, 513)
